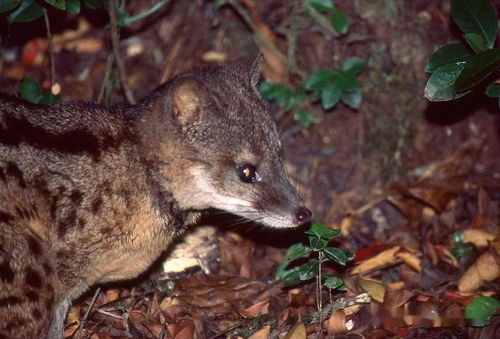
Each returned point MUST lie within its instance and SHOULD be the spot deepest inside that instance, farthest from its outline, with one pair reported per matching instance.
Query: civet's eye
(247, 173)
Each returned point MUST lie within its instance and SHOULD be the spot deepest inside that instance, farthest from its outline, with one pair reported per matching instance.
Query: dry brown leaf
(485, 268)
(411, 260)
(336, 323)
(477, 237)
(346, 224)
(384, 258)
(396, 298)
(375, 288)
(214, 56)
(186, 332)
(256, 309)
(274, 67)
(112, 294)
(73, 317)
(263, 333)
(298, 331)
(396, 285)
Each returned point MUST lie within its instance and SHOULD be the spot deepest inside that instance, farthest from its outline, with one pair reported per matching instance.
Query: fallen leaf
(375, 288)
(256, 309)
(411, 260)
(336, 323)
(263, 333)
(384, 258)
(298, 331)
(477, 237)
(485, 268)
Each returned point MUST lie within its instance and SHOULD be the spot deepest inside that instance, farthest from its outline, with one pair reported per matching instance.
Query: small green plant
(319, 238)
(459, 248)
(457, 68)
(479, 311)
(327, 86)
(31, 90)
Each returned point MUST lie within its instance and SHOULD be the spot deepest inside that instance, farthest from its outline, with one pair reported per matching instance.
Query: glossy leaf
(346, 81)
(477, 68)
(353, 65)
(29, 10)
(332, 282)
(480, 310)
(348, 254)
(122, 17)
(340, 21)
(303, 118)
(458, 237)
(73, 6)
(476, 16)
(476, 42)
(309, 270)
(291, 278)
(352, 99)
(330, 96)
(441, 84)
(296, 251)
(321, 5)
(319, 80)
(317, 244)
(447, 54)
(61, 4)
(282, 95)
(336, 254)
(7, 5)
(321, 231)
(30, 90)
(95, 4)
(493, 90)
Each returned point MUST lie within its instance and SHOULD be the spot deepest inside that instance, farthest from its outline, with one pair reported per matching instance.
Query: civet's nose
(302, 216)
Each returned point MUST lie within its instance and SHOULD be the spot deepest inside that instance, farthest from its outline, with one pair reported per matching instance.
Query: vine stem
(116, 51)
(51, 49)
(147, 12)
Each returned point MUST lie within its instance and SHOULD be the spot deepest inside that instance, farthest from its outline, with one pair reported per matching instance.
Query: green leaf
(477, 68)
(321, 231)
(321, 5)
(340, 21)
(30, 90)
(457, 237)
(309, 270)
(348, 254)
(493, 90)
(476, 16)
(291, 278)
(122, 17)
(353, 65)
(317, 244)
(352, 99)
(346, 81)
(61, 4)
(461, 249)
(332, 282)
(296, 251)
(330, 96)
(73, 6)
(282, 95)
(336, 254)
(7, 5)
(480, 310)
(441, 84)
(95, 4)
(49, 99)
(28, 11)
(319, 80)
(303, 118)
(476, 42)
(447, 54)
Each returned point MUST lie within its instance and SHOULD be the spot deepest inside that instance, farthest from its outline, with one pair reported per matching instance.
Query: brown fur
(93, 193)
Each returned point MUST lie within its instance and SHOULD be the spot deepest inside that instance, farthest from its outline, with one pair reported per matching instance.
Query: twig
(51, 49)
(116, 51)
(321, 20)
(363, 298)
(257, 35)
(84, 319)
(146, 13)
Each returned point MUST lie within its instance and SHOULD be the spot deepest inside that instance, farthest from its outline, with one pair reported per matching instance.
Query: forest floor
(413, 186)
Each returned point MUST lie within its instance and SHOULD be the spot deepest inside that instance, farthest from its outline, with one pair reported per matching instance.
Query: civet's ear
(187, 97)
(256, 70)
